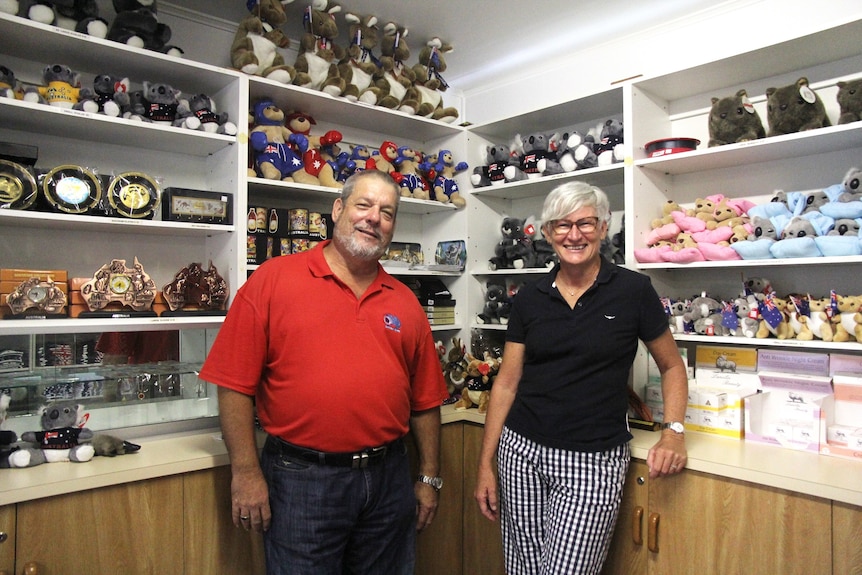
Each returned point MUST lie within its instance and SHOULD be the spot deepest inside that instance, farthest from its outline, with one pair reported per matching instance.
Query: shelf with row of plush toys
(757, 314)
(751, 161)
(333, 137)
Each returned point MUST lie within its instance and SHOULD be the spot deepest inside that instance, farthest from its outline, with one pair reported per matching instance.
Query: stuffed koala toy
(794, 108)
(850, 101)
(733, 119)
(535, 159)
(515, 250)
(852, 186)
(491, 173)
(60, 439)
(497, 304)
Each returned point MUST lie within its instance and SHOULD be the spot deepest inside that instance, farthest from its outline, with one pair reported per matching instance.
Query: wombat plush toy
(794, 108)
(734, 119)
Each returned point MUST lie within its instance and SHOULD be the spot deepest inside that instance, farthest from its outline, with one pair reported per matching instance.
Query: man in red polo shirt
(339, 361)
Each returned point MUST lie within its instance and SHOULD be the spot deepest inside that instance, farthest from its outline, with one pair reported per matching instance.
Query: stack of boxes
(793, 399)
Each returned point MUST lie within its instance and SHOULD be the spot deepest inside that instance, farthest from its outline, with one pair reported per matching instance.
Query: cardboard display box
(788, 411)
(841, 418)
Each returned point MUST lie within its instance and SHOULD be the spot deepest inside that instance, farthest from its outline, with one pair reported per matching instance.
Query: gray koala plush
(844, 227)
(496, 159)
(536, 159)
(852, 186)
(61, 439)
(798, 227)
(794, 108)
(733, 119)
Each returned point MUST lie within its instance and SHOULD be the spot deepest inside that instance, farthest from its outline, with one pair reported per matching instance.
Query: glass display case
(125, 380)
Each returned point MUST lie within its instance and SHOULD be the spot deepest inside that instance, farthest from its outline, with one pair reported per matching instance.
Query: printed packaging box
(787, 413)
(841, 418)
(789, 361)
(729, 359)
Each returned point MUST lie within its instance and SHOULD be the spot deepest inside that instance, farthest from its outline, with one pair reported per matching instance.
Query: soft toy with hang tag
(794, 108)
(258, 38)
(110, 96)
(849, 101)
(515, 250)
(277, 151)
(429, 84)
(317, 62)
(445, 187)
(137, 24)
(395, 80)
(733, 119)
(10, 87)
(408, 162)
(360, 67)
(62, 437)
(491, 173)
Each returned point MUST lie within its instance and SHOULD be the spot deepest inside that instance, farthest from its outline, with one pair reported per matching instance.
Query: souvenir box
(199, 206)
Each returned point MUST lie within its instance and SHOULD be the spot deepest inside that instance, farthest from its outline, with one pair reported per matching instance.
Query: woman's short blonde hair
(571, 197)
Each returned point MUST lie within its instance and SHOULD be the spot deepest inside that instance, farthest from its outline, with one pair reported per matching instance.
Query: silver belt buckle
(360, 460)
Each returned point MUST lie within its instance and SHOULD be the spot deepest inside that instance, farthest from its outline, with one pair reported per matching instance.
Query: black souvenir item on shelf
(134, 195)
(18, 190)
(185, 205)
(71, 189)
(196, 290)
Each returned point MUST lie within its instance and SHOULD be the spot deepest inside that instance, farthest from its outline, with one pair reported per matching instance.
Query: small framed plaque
(185, 205)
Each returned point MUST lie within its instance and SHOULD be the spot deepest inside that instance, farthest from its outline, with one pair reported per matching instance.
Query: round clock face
(37, 294)
(72, 189)
(17, 186)
(120, 284)
(134, 195)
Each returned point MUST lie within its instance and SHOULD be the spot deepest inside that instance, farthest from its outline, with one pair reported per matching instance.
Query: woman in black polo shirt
(557, 419)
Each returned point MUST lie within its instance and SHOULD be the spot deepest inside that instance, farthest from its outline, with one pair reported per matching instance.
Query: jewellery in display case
(18, 190)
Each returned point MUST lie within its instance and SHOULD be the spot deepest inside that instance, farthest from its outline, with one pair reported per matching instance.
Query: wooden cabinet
(483, 542)
(134, 528)
(846, 539)
(213, 545)
(700, 523)
(7, 539)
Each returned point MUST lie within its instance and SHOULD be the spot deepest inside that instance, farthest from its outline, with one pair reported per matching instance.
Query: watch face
(120, 284)
(37, 294)
(675, 426)
(134, 195)
(72, 189)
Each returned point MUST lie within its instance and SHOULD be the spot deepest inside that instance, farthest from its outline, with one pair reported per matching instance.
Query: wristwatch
(674, 426)
(435, 482)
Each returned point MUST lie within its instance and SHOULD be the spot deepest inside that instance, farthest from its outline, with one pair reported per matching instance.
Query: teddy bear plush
(794, 108)
(497, 304)
(445, 188)
(395, 79)
(515, 250)
(60, 439)
(410, 179)
(278, 152)
(62, 88)
(300, 123)
(137, 24)
(491, 172)
(733, 119)
(849, 101)
(820, 318)
(316, 64)
(256, 43)
(360, 67)
(429, 85)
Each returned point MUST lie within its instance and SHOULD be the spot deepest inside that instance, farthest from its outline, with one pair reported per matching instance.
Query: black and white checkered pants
(558, 507)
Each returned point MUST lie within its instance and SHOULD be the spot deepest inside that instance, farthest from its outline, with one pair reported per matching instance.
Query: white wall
(728, 28)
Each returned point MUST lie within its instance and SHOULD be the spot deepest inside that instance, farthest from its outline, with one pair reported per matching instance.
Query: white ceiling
(496, 37)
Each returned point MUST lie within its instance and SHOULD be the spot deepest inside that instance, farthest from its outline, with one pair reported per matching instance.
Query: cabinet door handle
(637, 526)
(652, 534)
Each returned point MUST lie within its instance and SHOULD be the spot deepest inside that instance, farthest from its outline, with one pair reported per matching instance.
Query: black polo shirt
(572, 394)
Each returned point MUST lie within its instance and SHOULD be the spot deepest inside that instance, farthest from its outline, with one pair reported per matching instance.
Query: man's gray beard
(361, 250)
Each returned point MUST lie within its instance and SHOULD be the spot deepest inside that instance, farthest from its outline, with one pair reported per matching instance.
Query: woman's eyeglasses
(585, 226)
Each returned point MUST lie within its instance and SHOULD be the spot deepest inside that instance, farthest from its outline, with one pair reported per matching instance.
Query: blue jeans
(336, 520)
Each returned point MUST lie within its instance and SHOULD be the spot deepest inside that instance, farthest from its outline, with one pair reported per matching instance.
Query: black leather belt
(356, 460)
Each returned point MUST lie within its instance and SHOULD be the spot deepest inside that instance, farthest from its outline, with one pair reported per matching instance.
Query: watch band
(435, 482)
(674, 426)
